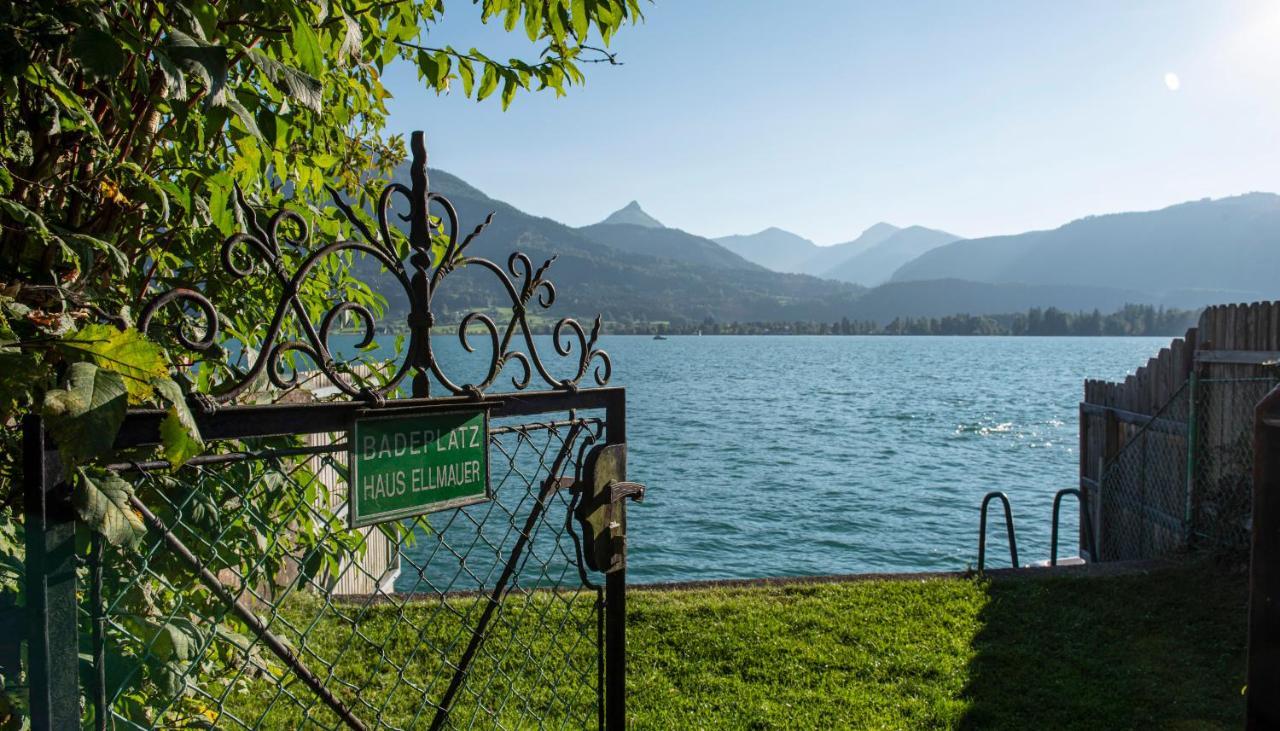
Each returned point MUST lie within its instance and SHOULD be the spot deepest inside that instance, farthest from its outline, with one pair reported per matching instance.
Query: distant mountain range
(868, 260)
(1193, 252)
(623, 271)
(668, 243)
(772, 248)
(629, 267)
(829, 257)
(876, 264)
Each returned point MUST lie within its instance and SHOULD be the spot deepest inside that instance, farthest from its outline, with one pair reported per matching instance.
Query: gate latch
(602, 510)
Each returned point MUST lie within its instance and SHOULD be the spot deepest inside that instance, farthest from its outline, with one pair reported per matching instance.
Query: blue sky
(826, 117)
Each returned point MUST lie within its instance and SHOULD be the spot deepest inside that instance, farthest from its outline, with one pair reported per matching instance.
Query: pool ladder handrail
(1088, 524)
(1008, 523)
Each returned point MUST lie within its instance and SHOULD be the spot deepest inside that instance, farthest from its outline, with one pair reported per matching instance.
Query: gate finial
(419, 228)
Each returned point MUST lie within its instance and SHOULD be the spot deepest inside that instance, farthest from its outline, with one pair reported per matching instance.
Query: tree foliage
(127, 130)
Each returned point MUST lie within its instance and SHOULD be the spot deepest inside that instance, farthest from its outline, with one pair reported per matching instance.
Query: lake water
(793, 455)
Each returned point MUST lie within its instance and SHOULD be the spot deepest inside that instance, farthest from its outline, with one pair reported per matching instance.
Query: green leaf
(467, 74)
(48, 78)
(88, 248)
(246, 119)
(25, 216)
(508, 91)
(84, 417)
(352, 38)
(20, 373)
(533, 21)
(488, 82)
(578, 12)
(205, 60)
(98, 51)
(175, 81)
(428, 67)
(178, 640)
(298, 86)
(102, 500)
(179, 433)
(443, 63)
(307, 45)
(126, 352)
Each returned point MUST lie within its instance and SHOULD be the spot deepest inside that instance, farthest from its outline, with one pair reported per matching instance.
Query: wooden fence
(376, 569)
(1194, 398)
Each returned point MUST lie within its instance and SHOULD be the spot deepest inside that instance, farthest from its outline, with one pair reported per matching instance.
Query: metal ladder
(1008, 524)
(1088, 524)
(1053, 541)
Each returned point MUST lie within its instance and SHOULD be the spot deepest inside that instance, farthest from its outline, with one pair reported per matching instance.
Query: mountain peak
(879, 230)
(633, 214)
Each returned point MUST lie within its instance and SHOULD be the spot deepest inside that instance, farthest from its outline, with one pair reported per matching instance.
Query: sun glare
(1172, 81)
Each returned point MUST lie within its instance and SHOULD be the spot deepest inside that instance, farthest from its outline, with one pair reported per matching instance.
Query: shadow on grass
(1164, 650)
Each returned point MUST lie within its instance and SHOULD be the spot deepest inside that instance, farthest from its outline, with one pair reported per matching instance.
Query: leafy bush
(127, 130)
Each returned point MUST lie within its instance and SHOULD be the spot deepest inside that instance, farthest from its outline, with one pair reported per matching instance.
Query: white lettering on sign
(413, 464)
(418, 442)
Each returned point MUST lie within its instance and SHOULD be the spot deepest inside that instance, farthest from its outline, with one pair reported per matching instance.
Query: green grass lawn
(1159, 650)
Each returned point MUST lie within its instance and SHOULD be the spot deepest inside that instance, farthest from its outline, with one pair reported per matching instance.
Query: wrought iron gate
(250, 603)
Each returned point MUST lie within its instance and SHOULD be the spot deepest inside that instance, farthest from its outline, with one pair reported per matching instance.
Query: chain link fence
(1143, 497)
(1222, 478)
(1184, 479)
(250, 604)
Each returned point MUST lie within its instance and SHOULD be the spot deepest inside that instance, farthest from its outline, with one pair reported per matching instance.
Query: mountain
(1223, 244)
(828, 257)
(634, 215)
(876, 264)
(868, 260)
(940, 297)
(668, 243)
(593, 277)
(772, 248)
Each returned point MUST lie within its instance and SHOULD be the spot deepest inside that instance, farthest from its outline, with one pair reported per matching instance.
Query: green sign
(403, 465)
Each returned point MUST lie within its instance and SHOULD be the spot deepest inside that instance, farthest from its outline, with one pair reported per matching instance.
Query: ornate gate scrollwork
(260, 249)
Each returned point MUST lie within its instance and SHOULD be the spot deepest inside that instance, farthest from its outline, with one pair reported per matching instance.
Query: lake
(795, 455)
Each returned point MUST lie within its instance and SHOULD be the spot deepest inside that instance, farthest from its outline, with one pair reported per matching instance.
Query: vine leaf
(174, 646)
(126, 352)
(179, 435)
(103, 502)
(85, 416)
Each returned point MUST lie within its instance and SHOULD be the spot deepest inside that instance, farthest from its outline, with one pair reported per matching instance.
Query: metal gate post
(1188, 513)
(615, 643)
(53, 654)
(1262, 703)
(615, 600)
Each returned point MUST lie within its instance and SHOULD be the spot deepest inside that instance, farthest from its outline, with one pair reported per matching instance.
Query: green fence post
(53, 655)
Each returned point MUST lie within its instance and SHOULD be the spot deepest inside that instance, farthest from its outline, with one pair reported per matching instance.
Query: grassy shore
(1157, 650)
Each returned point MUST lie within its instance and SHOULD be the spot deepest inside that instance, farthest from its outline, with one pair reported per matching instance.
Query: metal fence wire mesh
(1222, 478)
(250, 604)
(1143, 501)
(1184, 480)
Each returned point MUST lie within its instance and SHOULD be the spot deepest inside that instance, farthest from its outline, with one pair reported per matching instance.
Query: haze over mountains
(1201, 251)
(623, 280)
(868, 260)
(632, 268)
